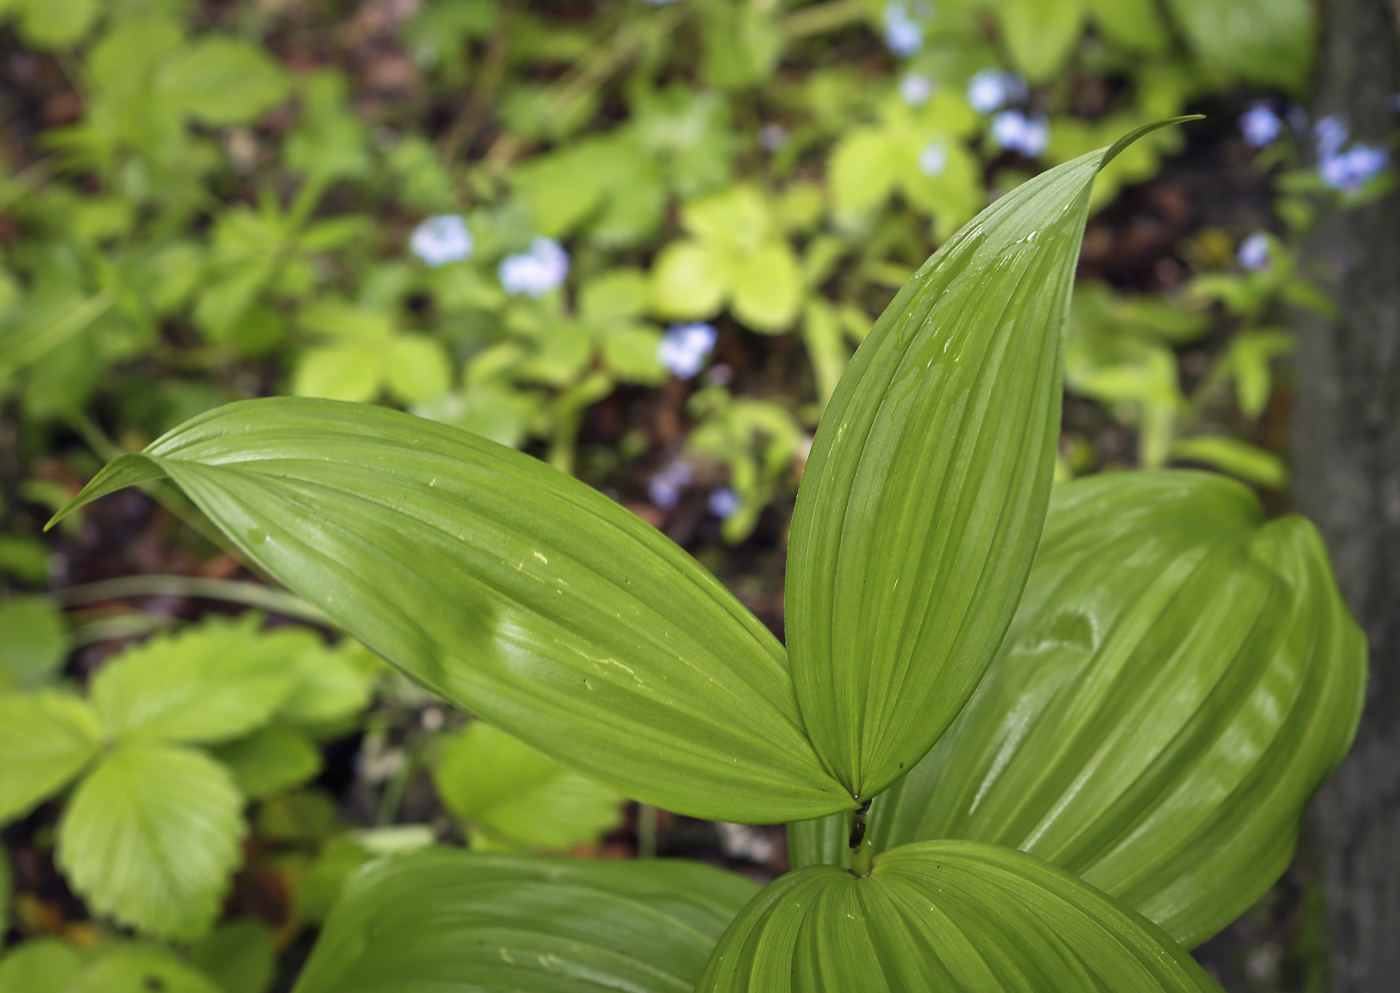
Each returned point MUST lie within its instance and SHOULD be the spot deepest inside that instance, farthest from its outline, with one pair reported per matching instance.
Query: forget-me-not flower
(665, 487)
(915, 88)
(1016, 132)
(684, 348)
(724, 502)
(441, 239)
(537, 271)
(903, 34)
(1349, 170)
(933, 159)
(1254, 251)
(1260, 126)
(1329, 134)
(992, 89)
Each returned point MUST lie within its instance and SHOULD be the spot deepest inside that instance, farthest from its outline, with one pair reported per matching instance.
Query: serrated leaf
(512, 589)
(208, 683)
(518, 796)
(924, 497)
(151, 836)
(44, 965)
(951, 915)
(444, 921)
(1179, 679)
(45, 740)
(33, 641)
(269, 760)
(330, 685)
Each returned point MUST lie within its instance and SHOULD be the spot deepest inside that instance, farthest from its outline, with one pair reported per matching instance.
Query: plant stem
(646, 831)
(859, 843)
(231, 590)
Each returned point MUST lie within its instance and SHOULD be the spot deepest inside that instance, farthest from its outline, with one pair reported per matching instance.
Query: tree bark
(1346, 435)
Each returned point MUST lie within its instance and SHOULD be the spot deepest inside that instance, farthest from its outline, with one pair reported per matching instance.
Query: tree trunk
(1346, 435)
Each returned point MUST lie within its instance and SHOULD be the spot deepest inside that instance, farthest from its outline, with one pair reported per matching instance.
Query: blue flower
(1260, 126)
(684, 347)
(991, 89)
(441, 239)
(903, 34)
(915, 88)
(1348, 171)
(724, 502)
(933, 159)
(1254, 251)
(1016, 132)
(1330, 134)
(536, 272)
(665, 487)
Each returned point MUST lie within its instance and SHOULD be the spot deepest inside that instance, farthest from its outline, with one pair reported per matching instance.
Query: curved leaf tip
(123, 471)
(1146, 129)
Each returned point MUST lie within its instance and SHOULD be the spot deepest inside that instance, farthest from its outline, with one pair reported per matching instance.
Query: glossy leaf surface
(512, 590)
(1179, 680)
(447, 921)
(925, 494)
(45, 740)
(952, 916)
(151, 836)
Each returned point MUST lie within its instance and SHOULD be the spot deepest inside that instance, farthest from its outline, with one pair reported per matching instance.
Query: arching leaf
(924, 497)
(1180, 678)
(946, 915)
(447, 921)
(512, 590)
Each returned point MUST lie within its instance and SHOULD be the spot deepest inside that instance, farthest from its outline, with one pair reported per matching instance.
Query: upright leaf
(1179, 680)
(151, 836)
(924, 497)
(45, 740)
(445, 921)
(511, 589)
(948, 915)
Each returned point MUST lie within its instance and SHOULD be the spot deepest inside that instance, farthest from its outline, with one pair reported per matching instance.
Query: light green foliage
(368, 356)
(138, 968)
(45, 965)
(239, 957)
(451, 922)
(45, 740)
(33, 642)
(1268, 42)
(1148, 587)
(517, 797)
(910, 925)
(736, 255)
(271, 759)
(150, 837)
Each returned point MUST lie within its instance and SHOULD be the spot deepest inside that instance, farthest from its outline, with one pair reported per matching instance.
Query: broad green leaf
(1041, 33)
(416, 368)
(33, 641)
(688, 280)
(44, 965)
(137, 968)
(271, 759)
(1134, 24)
(445, 921)
(239, 956)
(1269, 42)
(519, 797)
(351, 372)
(512, 590)
(151, 836)
(213, 682)
(922, 503)
(768, 288)
(45, 740)
(862, 172)
(55, 24)
(329, 685)
(1179, 680)
(945, 915)
(222, 80)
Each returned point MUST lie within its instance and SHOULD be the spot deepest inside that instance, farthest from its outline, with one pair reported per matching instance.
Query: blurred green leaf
(1267, 42)
(518, 796)
(225, 81)
(207, 683)
(138, 968)
(1239, 458)
(520, 593)
(238, 956)
(271, 759)
(33, 640)
(45, 740)
(1041, 33)
(1249, 358)
(454, 922)
(150, 838)
(945, 915)
(43, 965)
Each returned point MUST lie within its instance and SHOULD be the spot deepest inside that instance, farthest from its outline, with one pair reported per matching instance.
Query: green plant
(556, 615)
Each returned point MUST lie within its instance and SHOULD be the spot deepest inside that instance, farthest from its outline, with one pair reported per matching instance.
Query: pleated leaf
(151, 836)
(925, 495)
(951, 916)
(512, 590)
(1180, 678)
(448, 921)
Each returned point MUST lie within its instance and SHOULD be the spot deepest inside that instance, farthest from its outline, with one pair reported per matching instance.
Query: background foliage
(638, 239)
